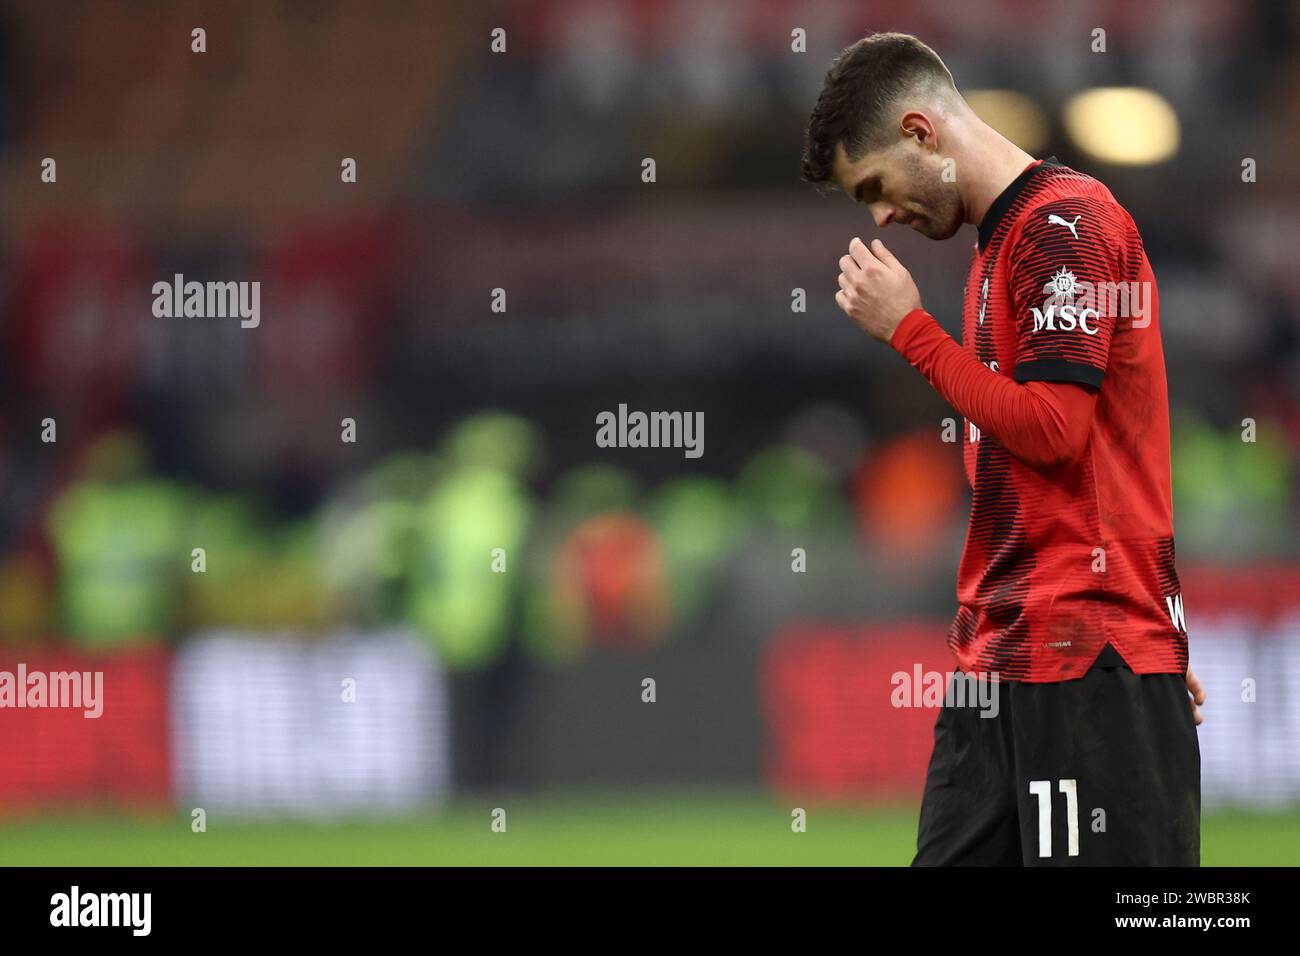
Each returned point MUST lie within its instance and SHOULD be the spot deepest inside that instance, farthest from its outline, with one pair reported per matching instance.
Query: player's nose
(882, 213)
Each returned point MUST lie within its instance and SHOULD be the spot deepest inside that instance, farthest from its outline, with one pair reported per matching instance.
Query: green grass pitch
(604, 829)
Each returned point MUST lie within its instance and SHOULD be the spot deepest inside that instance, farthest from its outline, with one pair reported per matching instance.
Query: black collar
(1008, 196)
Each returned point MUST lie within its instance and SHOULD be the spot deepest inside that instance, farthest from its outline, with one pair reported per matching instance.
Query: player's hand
(1197, 693)
(875, 290)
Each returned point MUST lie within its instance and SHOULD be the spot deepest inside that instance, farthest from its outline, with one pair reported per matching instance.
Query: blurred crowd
(458, 543)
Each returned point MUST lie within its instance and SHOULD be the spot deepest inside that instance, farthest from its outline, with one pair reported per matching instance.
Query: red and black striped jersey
(1060, 563)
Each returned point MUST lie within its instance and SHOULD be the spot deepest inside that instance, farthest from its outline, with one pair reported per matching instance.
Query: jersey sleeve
(1063, 269)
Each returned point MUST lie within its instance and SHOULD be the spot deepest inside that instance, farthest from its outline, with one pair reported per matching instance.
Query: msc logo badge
(1065, 319)
(1062, 283)
(1059, 313)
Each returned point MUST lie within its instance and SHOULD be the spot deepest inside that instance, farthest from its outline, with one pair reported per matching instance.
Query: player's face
(904, 184)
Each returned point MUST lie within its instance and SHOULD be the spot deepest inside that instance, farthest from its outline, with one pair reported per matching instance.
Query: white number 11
(1043, 790)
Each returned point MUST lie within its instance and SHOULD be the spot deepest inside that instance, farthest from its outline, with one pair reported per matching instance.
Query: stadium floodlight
(1124, 126)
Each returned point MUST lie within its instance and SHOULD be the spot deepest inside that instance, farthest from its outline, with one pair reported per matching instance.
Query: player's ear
(916, 125)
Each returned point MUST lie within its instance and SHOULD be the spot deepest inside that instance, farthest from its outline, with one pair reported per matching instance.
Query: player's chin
(936, 230)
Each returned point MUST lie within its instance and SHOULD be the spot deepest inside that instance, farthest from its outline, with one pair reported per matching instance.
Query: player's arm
(1043, 424)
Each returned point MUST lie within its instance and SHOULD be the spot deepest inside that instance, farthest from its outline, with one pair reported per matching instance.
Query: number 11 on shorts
(1042, 789)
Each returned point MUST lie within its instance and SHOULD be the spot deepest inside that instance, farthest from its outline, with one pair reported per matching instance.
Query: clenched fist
(875, 290)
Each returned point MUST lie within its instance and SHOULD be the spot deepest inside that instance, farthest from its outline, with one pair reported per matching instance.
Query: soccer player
(1067, 595)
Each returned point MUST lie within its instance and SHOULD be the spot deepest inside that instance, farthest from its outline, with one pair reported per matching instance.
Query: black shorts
(1104, 770)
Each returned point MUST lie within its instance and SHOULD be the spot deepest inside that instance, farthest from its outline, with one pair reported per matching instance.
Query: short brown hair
(861, 86)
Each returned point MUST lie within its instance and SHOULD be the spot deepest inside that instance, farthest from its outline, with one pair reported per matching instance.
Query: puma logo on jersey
(1055, 220)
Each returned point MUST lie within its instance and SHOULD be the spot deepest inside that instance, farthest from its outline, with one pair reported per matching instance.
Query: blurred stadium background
(336, 568)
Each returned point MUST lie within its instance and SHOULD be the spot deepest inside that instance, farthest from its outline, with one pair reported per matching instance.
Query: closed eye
(870, 186)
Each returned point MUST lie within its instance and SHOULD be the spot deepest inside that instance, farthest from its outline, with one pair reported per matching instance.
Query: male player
(1067, 593)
